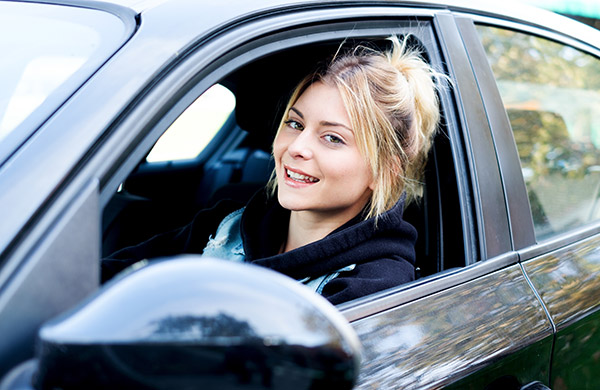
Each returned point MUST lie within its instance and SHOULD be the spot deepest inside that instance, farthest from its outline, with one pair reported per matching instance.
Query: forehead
(322, 100)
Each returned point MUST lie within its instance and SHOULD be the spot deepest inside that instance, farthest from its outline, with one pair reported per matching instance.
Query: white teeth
(299, 177)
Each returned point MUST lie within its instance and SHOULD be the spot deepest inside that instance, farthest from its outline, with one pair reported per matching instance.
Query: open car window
(237, 118)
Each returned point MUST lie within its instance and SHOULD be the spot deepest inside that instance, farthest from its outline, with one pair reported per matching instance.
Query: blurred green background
(587, 11)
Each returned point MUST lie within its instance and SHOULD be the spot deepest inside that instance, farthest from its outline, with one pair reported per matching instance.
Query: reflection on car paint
(567, 281)
(423, 343)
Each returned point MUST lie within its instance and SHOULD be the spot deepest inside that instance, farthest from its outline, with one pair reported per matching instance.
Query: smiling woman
(349, 153)
(316, 154)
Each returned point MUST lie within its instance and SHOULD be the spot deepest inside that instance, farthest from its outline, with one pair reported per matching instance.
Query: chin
(292, 203)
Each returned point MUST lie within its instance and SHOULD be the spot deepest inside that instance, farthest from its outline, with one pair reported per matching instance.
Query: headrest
(263, 87)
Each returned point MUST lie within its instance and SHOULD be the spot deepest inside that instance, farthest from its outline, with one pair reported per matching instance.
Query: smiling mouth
(300, 178)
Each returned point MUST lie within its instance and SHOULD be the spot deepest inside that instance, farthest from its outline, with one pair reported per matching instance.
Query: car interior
(159, 196)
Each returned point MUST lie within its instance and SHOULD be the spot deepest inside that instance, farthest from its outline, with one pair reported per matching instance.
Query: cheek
(356, 168)
(278, 148)
(362, 167)
(350, 164)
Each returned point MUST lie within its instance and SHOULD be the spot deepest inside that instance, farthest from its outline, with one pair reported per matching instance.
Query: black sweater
(383, 253)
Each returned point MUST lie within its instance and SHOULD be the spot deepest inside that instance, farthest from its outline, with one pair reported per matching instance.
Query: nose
(301, 146)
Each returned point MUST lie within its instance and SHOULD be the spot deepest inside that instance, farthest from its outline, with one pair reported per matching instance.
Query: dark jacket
(384, 254)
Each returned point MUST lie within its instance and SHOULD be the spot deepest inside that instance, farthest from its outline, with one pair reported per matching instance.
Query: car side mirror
(192, 322)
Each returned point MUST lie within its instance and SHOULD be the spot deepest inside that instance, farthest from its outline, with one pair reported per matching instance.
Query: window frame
(294, 32)
(479, 160)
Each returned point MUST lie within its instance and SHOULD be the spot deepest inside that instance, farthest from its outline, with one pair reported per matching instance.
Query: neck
(305, 227)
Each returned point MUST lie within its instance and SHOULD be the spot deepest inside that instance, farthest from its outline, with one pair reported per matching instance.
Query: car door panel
(444, 337)
(567, 281)
(54, 269)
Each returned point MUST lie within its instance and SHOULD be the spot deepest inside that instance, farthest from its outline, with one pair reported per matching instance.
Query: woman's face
(319, 167)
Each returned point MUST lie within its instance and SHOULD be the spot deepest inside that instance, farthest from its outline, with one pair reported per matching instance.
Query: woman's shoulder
(368, 278)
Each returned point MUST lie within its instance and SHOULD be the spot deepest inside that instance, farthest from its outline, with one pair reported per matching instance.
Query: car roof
(241, 9)
(508, 9)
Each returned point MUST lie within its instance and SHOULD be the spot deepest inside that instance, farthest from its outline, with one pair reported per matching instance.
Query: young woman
(349, 153)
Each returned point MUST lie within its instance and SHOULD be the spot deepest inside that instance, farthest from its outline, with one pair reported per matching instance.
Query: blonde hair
(393, 107)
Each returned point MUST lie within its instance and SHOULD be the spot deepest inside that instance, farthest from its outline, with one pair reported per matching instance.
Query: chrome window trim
(538, 31)
(560, 241)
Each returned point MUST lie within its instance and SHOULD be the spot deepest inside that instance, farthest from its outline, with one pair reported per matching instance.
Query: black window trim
(488, 200)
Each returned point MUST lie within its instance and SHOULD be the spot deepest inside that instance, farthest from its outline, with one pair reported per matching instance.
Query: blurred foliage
(567, 281)
(530, 59)
(544, 144)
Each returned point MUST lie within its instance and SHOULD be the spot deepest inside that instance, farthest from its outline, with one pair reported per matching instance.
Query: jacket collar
(265, 226)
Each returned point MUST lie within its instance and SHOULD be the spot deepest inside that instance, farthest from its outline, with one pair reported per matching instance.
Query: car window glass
(195, 127)
(44, 69)
(552, 95)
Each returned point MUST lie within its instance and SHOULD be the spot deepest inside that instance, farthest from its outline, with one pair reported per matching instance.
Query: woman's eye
(294, 124)
(333, 139)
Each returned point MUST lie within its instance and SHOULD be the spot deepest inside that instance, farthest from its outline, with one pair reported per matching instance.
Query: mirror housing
(191, 322)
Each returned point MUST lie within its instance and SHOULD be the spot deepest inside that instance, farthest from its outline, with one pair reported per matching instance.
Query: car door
(551, 95)
(471, 320)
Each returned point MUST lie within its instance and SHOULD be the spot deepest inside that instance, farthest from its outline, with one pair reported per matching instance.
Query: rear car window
(195, 127)
(551, 93)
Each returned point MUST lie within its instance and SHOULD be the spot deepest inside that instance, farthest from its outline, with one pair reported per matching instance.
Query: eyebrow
(322, 123)
(297, 112)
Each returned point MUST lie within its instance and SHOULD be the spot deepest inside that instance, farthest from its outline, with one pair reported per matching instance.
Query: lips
(300, 177)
